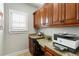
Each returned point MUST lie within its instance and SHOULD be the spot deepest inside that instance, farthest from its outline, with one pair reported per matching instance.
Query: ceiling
(36, 4)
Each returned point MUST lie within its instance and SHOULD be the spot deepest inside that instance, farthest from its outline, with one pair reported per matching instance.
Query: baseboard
(15, 53)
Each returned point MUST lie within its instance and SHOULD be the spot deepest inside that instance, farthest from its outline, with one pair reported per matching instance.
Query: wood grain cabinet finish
(37, 19)
(61, 14)
(70, 13)
(48, 14)
(49, 52)
(42, 17)
(77, 14)
(58, 13)
(70, 10)
(55, 13)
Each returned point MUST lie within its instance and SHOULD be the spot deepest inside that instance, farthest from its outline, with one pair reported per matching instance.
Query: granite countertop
(49, 44)
(44, 42)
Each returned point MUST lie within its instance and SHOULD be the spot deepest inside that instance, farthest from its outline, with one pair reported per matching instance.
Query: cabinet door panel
(58, 14)
(61, 10)
(77, 7)
(50, 14)
(70, 9)
(31, 46)
(55, 13)
(48, 8)
(37, 19)
(42, 16)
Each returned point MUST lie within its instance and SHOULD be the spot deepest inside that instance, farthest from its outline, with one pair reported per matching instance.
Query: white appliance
(69, 41)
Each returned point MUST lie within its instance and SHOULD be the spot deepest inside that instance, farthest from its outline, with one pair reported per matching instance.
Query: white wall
(51, 31)
(15, 42)
(1, 30)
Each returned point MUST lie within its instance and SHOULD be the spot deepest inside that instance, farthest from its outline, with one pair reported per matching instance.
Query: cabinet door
(30, 46)
(46, 15)
(46, 9)
(42, 17)
(55, 13)
(37, 19)
(70, 9)
(61, 11)
(49, 13)
(77, 7)
(58, 13)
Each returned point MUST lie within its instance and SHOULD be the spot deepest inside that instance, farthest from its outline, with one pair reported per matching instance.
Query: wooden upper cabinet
(70, 10)
(52, 14)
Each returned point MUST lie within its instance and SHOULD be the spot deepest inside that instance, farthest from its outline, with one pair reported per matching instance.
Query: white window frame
(10, 21)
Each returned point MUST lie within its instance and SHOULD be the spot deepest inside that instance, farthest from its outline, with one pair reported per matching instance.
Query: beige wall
(15, 42)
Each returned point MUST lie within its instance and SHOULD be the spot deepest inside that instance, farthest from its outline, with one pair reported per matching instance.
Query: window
(18, 21)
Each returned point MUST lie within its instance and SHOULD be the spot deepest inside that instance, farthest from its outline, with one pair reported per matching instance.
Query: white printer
(66, 41)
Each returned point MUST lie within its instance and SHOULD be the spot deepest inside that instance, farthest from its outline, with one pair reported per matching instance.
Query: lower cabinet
(35, 48)
(31, 46)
